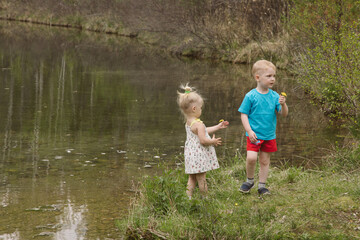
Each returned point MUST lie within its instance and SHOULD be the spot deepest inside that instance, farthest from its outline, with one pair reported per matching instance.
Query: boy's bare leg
(264, 160)
(251, 159)
(201, 179)
(191, 185)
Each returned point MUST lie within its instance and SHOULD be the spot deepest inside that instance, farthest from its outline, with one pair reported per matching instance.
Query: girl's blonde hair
(187, 98)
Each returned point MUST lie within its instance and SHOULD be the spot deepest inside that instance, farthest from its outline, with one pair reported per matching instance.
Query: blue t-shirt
(261, 110)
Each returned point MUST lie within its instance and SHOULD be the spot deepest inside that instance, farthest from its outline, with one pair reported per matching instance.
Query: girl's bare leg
(191, 185)
(201, 179)
(264, 160)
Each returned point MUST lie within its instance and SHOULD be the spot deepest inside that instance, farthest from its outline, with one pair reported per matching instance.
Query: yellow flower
(236, 204)
(283, 94)
(221, 120)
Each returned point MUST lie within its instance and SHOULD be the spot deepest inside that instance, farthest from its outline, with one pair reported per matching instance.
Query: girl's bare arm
(199, 129)
(222, 125)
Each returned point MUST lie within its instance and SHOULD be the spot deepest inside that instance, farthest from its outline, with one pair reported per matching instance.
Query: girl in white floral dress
(199, 151)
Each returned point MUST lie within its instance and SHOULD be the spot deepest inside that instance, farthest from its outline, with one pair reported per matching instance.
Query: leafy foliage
(328, 67)
(308, 19)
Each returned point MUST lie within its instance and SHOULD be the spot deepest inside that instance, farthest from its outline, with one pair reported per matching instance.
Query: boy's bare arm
(284, 108)
(246, 124)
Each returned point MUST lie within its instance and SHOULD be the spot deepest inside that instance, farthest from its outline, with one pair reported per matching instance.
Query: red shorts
(261, 145)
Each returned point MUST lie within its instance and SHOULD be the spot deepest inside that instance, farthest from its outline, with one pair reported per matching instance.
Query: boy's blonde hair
(187, 98)
(261, 65)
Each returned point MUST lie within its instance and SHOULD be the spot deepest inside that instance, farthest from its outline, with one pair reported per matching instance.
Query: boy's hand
(282, 100)
(252, 136)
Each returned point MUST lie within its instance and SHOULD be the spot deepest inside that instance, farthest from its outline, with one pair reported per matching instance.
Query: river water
(83, 113)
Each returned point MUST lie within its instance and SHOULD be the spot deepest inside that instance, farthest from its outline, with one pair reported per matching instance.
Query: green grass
(304, 204)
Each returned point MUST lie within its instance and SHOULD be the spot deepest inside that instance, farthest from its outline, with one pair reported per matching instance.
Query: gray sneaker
(246, 187)
(263, 191)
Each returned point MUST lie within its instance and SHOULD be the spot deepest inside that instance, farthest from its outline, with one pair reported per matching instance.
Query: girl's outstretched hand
(223, 124)
(216, 141)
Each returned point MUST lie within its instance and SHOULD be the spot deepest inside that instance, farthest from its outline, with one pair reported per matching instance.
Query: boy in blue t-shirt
(258, 116)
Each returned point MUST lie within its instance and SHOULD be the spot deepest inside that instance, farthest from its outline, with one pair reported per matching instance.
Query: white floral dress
(198, 158)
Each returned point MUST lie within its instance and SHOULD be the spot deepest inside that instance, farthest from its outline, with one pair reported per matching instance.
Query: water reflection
(73, 225)
(85, 115)
(10, 236)
(5, 201)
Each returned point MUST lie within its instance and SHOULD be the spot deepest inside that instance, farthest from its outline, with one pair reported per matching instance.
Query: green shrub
(327, 34)
(330, 73)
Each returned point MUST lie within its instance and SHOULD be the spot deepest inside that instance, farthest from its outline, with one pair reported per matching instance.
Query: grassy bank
(320, 203)
(85, 15)
(191, 30)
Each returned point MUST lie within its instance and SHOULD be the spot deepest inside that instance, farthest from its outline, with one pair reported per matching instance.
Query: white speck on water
(44, 234)
(103, 153)
(120, 151)
(58, 157)
(156, 156)
(45, 160)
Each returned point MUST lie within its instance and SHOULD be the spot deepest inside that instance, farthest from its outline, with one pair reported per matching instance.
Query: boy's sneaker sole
(246, 187)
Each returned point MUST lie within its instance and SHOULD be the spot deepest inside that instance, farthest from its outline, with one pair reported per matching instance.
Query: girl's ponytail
(187, 97)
